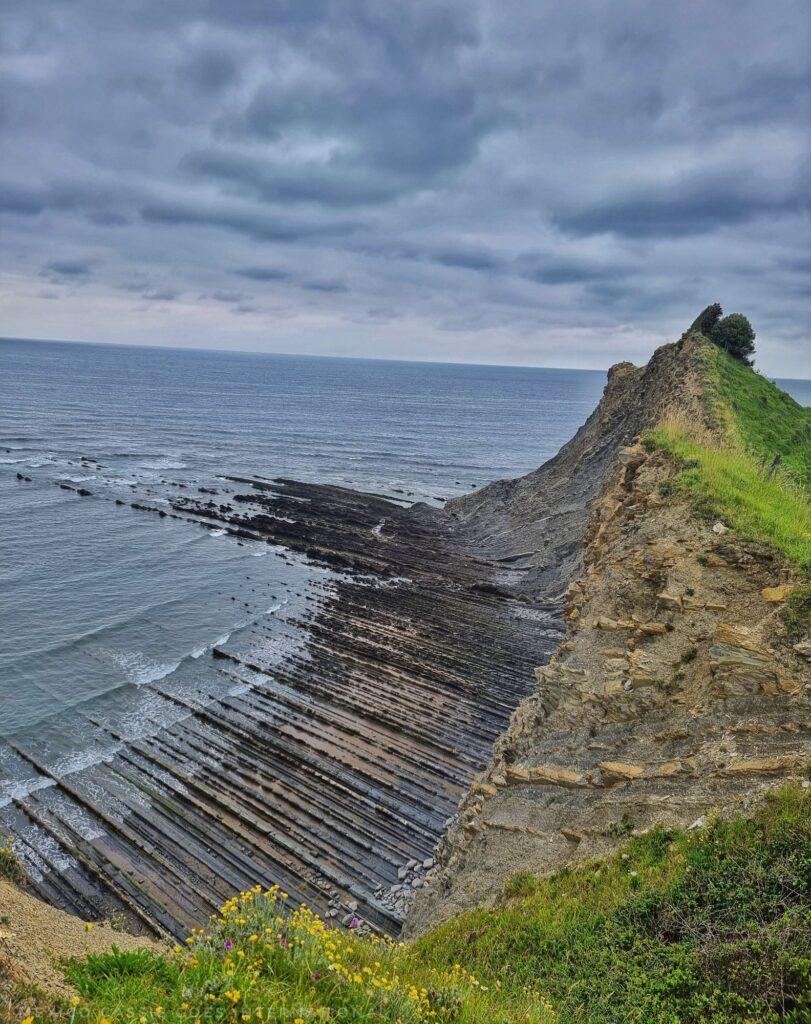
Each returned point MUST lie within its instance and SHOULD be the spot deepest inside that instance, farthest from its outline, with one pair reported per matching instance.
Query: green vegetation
(9, 865)
(734, 334)
(757, 479)
(680, 928)
(764, 420)
(734, 485)
(796, 614)
(712, 925)
(258, 962)
(706, 320)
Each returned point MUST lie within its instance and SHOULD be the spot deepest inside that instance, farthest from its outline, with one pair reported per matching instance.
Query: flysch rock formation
(332, 771)
(419, 746)
(675, 694)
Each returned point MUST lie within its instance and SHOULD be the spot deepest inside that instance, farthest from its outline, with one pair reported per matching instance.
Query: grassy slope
(711, 926)
(733, 480)
(766, 420)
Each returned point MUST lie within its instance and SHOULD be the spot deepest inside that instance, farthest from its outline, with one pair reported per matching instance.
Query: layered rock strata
(333, 771)
(675, 694)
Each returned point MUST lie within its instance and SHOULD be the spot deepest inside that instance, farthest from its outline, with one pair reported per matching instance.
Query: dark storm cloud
(341, 183)
(210, 71)
(497, 172)
(21, 200)
(559, 269)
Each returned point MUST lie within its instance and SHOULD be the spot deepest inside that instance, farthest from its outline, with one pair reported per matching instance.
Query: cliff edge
(534, 525)
(680, 689)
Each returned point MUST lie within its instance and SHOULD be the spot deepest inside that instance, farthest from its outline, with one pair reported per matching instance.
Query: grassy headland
(710, 925)
(756, 472)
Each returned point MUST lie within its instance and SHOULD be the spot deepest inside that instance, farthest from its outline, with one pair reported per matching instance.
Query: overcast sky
(561, 184)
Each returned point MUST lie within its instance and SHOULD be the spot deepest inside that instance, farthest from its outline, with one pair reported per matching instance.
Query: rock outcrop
(535, 525)
(676, 691)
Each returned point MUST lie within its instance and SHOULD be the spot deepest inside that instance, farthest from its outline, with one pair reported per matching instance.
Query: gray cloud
(497, 181)
(329, 287)
(263, 273)
(693, 207)
(68, 268)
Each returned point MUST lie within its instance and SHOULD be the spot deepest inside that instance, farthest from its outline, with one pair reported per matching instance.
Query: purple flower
(354, 923)
(228, 944)
(315, 975)
(283, 942)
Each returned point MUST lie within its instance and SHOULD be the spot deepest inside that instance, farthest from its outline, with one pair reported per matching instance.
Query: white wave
(76, 479)
(217, 533)
(81, 759)
(140, 669)
(20, 789)
(162, 464)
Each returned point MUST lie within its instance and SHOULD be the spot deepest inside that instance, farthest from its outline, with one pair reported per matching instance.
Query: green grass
(763, 419)
(734, 485)
(681, 928)
(709, 926)
(732, 474)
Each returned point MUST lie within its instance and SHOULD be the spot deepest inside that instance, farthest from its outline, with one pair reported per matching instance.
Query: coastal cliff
(679, 690)
(636, 846)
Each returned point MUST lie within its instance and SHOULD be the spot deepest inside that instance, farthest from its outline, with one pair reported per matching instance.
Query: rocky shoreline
(334, 772)
(402, 765)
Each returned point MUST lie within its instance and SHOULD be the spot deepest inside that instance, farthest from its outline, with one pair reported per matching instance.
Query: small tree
(734, 335)
(706, 320)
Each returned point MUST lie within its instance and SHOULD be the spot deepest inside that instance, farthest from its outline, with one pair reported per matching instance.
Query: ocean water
(107, 611)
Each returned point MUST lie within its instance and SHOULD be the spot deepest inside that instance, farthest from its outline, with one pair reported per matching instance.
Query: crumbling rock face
(535, 524)
(675, 693)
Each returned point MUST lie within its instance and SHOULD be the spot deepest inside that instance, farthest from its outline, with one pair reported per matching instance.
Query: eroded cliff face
(534, 525)
(676, 691)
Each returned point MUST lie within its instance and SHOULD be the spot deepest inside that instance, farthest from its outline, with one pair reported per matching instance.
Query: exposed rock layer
(676, 691)
(336, 771)
(332, 772)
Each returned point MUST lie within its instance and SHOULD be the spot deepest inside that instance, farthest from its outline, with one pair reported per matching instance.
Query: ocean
(100, 602)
